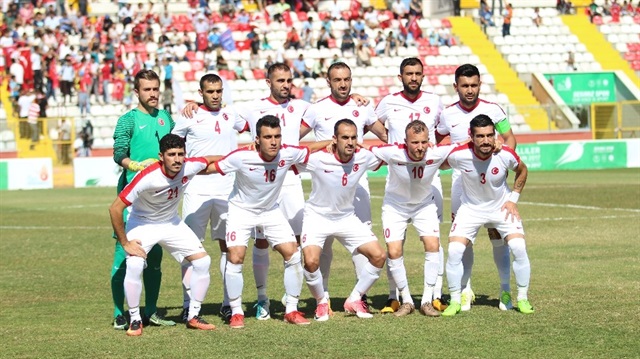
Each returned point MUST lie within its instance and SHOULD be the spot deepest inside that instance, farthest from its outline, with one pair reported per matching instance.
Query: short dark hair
(481, 121)
(410, 61)
(344, 121)
(170, 141)
(277, 66)
(148, 75)
(211, 78)
(337, 65)
(466, 70)
(267, 121)
(416, 126)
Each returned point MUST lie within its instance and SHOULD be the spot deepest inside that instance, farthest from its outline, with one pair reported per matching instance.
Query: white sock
(393, 286)
(314, 282)
(234, 282)
(503, 263)
(455, 270)
(223, 265)
(437, 290)
(293, 281)
(521, 266)
(133, 285)
(325, 262)
(467, 266)
(431, 266)
(194, 309)
(200, 278)
(359, 262)
(398, 274)
(186, 283)
(368, 276)
(261, 270)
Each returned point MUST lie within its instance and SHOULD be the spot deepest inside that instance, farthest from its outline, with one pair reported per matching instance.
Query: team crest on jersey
(185, 179)
(225, 116)
(429, 162)
(290, 109)
(281, 163)
(427, 110)
(356, 113)
(495, 170)
(160, 122)
(356, 167)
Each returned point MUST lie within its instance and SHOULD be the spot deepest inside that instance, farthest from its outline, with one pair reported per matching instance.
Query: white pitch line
(544, 219)
(574, 206)
(77, 206)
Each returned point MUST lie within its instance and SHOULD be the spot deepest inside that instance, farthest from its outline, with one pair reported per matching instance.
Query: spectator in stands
(243, 17)
(300, 68)
(84, 83)
(593, 10)
(180, 51)
(606, 8)
(486, 17)
(399, 9)
(571, 62)
(167, 98)
(326, 25)
(254, 45)
(359, 25)
(17, 70)
(168, 72)
(336, 10)
(166, 21)
(307, 92)
(64, 134)
(319, 68)
(381, 43)
(627, 8)
(323, 39)
(363, 38)
(371, 17)
(201, 25)
(268, 64)
(214, 38)
(52, 21)
(14, 94)
(392, 44)
(265, 42)
(32, 120)
(306, 39)
(292, 40)
(363, 56)
(536, 18)
(24, 103)
(67, 76)
(347, 45)
(444, 36)
(125, 15)
(239, 71)
(307, 25)
(506, 20)
(278, 9)
(221, 62)
(415, 8)
(209, 59)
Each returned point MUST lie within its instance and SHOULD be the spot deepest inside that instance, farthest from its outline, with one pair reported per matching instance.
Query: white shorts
(291, 202)
(175, 236)
(468, 223)
(241, 223)
(349, 231)
(436, 189)
(199, 209)
(456, 193)
(362, 202)
(424, 219)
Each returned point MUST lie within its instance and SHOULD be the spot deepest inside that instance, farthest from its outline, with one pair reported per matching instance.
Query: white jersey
(290, 113)
(258, 182)
(409, 181)
(210, 133)
(154, 196)
(395, 111)
(322, 116)
(484, 182)
(333, 183)
(454, 119)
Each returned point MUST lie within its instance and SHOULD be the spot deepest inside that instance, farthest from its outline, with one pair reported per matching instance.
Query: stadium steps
(506, 78)
(378, 4)
(469, 4)
(603, 51)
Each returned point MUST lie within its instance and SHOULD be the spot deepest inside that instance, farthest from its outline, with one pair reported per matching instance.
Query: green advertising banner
(579, 155)
(4, 175)
(584, 88)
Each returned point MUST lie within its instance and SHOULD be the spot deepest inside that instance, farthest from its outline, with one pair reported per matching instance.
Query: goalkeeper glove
(136, 166)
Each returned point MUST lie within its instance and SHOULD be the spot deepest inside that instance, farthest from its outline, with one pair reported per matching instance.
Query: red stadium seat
(331, 43)
(243, 45)
(286, 16)
(190, 76)
(388, 81)
(302, 16)
(383, 91)
(434, 51)
(429, 71)
(197, 65)
(258, 74)
(433, 80)
(630, 56)
(597, 20)
(446, 23)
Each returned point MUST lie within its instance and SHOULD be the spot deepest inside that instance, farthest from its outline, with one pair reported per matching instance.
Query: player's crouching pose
(154, 195)
(487, 200)
(409, 197)
(253, 202)
(338, 172)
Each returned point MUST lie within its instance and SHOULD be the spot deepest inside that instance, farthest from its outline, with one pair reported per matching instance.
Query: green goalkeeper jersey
(137, 136)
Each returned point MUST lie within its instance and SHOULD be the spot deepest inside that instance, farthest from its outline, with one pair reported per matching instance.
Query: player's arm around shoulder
(510, 206)
(116, 211)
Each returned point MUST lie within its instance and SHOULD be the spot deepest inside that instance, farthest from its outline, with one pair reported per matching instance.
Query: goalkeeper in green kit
(136, 145)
